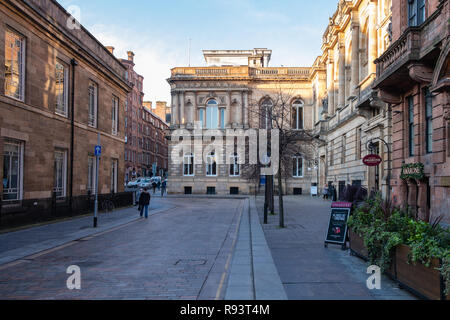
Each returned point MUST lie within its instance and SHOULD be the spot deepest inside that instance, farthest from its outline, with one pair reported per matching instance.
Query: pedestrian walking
(163, 188)
(154, 187)
(144, 202)
(325, 193)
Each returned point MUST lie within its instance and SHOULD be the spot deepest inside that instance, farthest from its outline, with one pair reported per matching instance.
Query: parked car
(145, 183)
(134, 183)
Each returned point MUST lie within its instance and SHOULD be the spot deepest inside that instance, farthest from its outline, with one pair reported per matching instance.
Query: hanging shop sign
(372, 160)
(413, 171)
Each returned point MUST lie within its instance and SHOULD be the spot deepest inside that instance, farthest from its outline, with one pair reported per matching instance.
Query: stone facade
(161, 109)
(133, 122)
(155, 147)
(221, 97)
(40, 64)
(413, 76)
(351, 115)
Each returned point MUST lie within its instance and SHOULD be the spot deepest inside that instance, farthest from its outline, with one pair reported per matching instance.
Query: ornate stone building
(59, 90)
(220, 96)
(352, 115)
(413, 76)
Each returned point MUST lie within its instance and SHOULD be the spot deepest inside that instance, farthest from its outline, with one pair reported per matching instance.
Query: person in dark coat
(144, 202)
(154, 185)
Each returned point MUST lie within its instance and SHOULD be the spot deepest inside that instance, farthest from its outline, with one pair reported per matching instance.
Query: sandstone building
(59, 89)
(413, 77)
(352, 114)
(220, 96)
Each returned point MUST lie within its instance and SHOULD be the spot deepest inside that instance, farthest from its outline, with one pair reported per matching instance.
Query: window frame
(93, 122)
(411, 129)
(64, 112)
(188, 164)
(297, 105)
(235, 170)
(22, 67)
(211, 168)
(90, 186)
(212, 111)
(20, 147)
(115, 115)
(428, 97)
(296, 167)
(63, 188)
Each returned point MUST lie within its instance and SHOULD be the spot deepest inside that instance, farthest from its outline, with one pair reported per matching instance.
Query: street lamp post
(371, 146)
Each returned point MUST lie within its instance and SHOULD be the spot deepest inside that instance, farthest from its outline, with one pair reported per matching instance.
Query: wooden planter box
(357, 246)
(421, 280)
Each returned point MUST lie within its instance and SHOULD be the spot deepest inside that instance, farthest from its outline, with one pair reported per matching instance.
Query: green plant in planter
(445, 271)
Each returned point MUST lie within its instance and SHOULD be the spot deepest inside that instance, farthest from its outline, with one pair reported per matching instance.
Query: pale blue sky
(158, 31)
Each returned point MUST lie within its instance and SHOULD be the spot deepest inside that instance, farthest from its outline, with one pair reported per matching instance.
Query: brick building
(50, 75)
(161, 109)
(154, 148)
(413, 76)
(133, 121)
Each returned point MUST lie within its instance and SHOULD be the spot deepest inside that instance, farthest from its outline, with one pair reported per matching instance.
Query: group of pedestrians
(329, 192)
(144, 197)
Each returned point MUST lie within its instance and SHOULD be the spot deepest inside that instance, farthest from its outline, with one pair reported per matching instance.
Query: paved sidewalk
(23, 243)
(253, 275)
(307, 269)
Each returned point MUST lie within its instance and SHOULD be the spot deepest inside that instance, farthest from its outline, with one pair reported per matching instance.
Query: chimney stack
(110, 49)
(130, 56)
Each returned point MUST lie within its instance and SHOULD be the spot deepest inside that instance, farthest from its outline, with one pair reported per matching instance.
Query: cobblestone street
(178, 253)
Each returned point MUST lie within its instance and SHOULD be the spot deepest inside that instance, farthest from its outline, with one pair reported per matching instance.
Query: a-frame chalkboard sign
(337, 227)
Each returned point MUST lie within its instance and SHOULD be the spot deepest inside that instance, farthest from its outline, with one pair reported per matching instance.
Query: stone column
(341, 92)
(175, 109)
(193, 110)
(182, 113)
(355, 60)
(372, 33)
(241, 111)
(246, 124)
(228, 122)
(330, 86)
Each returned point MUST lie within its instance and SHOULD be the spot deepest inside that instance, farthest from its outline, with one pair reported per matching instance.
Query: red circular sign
(372, 160)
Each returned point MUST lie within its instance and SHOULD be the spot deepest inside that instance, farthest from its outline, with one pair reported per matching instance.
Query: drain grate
(199, 262)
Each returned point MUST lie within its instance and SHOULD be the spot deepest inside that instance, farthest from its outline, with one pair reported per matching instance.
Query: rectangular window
(297, 167)
(188, 165)
(93, 92)
(222, 118)
(358, 143)
(344, 147)
(114, 172)
(12, 170)
(429, 120)
(60, 174)
(115, 115)
(416, 12)
(14, 65)
(91, 174)
(332, 153)
(201, 117)
(211, 165)
(61, 89)
(234, 167)
(411, 125)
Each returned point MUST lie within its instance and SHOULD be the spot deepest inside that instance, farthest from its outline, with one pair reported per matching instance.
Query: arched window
(297, 166)
(212, 115)
(188, 164)
(234, 166)
(297, 115)
(211, 165)
(266, 109)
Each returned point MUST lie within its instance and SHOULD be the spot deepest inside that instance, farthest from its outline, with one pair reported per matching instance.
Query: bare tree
(275, 112)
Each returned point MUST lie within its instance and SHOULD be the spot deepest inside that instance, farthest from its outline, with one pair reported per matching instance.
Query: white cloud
(153, 58)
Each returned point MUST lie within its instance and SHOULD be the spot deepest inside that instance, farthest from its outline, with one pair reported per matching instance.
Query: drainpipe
(74, 63)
